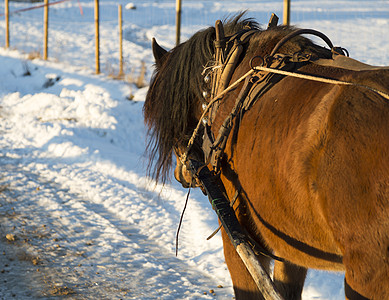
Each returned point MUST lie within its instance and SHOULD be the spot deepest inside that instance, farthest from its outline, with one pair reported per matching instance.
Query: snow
(130, 6)
(87, 220)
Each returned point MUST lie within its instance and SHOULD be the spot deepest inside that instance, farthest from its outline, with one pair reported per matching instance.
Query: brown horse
(310, 158)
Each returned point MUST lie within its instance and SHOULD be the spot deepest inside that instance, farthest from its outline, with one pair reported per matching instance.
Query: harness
(262, 77)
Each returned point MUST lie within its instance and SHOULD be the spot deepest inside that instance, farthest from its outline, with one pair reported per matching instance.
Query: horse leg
(289, 279)
(244, 286)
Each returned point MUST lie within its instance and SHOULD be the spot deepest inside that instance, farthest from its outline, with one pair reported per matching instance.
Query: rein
(321, 79)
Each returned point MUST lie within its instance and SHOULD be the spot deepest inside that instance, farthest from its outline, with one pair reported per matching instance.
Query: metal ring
(254, 58)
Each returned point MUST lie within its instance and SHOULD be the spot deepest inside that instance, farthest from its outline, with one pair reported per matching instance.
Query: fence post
(286, 16)
(97, 40)
(46, 29)
(120, 41)
(178, 21)
(6, 24)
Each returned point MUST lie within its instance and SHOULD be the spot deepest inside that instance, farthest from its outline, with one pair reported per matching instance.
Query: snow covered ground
(78, 216)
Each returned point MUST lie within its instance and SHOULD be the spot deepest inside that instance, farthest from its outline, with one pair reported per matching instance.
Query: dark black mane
(175, 89)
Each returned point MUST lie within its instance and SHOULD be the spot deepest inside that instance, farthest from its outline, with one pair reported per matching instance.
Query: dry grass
(35, 54)
(24, 256)
(139, 80)
(61, 291)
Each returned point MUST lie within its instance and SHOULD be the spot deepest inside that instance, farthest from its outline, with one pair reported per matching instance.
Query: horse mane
(175, 89)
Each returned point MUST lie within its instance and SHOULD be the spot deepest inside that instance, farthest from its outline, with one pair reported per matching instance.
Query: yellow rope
(320, 79)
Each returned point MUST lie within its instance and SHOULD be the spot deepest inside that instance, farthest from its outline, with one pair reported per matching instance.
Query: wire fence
(351, 24)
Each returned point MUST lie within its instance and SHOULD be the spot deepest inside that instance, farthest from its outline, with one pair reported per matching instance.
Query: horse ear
(158, 52)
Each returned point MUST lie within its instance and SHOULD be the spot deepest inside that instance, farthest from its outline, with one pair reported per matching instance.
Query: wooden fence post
(120, 41)
(6, 24)
(97, 40)
(178, 21)
(286, 15)
(46, 29)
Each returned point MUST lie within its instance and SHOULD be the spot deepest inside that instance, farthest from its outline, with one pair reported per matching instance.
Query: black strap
(299, 32)
(352, 294)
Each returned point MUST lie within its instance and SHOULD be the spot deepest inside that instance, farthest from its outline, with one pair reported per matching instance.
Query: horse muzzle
(184, 176)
